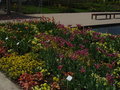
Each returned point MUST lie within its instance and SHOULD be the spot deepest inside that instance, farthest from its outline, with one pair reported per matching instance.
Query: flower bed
(43, 55)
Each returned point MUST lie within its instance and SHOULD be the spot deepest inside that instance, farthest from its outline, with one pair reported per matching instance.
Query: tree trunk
(19, 5)
(8, 6)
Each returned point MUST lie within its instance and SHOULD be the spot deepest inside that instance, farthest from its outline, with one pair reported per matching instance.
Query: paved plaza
(79, 18)
(76, 18)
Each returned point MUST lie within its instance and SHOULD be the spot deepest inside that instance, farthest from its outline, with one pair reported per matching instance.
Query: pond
(113, 29)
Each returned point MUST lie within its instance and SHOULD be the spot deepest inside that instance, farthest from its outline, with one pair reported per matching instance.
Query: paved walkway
(79, 18)
(6, 84)
(76, 18)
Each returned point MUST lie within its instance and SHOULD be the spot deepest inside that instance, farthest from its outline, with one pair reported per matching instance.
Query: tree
(8, 6)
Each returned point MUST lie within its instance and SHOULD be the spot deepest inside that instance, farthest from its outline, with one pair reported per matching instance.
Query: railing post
(95, 16)
(114, 16)
(106, 16)
(92, 16)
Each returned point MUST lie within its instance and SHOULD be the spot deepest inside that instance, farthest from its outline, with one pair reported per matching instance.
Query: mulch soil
(13, 16)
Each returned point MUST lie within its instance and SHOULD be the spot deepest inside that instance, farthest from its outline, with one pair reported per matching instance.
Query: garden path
(6, 84)
(75, 18)
(79, 18)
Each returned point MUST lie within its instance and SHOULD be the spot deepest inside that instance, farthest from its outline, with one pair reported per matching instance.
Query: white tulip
(18, 43)
(6, 38)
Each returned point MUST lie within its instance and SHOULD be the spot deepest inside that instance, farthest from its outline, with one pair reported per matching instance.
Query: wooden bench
(107, 15)
(115, 14)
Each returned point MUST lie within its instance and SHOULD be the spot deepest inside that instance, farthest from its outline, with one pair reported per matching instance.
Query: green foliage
(45, 26)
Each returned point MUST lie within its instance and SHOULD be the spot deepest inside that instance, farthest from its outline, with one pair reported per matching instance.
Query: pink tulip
(60, 67)
(82, 70)
(97, 66)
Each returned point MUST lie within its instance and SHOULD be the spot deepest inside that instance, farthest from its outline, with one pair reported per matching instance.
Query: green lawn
(34, 9)
(76, 7)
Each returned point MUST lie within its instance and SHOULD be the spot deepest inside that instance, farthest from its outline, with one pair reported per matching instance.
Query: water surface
(113, 29)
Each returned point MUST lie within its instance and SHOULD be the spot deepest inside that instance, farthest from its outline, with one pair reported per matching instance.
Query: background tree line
(84, 4)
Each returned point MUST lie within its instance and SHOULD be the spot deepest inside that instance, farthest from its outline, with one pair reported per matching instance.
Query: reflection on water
(115, 29)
